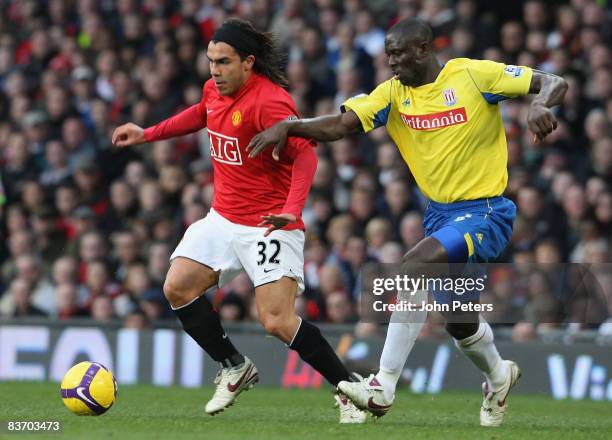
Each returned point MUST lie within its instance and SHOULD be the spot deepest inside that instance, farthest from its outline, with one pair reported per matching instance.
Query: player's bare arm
(323, 128)
(127, 135)
(550, 91)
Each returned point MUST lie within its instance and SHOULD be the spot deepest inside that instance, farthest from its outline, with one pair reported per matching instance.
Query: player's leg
(376, 393)
(276, 266)
(204, 258)
(276, 310)
(500, 375)
(185, 283)
(475, 340)
(482, 235)
(404, 327)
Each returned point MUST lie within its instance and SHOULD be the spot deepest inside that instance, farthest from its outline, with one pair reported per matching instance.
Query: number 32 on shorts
(268, 252)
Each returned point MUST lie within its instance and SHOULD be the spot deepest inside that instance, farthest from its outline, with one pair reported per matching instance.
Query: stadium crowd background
(86, 230)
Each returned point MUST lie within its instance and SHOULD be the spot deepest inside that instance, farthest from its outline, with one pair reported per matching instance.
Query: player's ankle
(388, 381)
(497, 377)
(235, 360)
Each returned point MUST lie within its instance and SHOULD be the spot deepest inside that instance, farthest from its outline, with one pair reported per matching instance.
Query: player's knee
(461, 330)
(177, 293)
(274, 324)
(428, 250)
(418, 262)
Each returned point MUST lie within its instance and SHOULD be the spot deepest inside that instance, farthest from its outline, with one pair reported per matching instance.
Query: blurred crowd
(86, 229)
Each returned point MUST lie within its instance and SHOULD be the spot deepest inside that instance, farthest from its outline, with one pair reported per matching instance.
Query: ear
(249, 62)
(423, 50)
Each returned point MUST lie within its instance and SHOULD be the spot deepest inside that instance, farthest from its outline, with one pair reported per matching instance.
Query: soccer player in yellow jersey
(447, 125)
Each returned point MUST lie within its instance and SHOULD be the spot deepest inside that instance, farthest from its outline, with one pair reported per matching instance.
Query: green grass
(145, 412)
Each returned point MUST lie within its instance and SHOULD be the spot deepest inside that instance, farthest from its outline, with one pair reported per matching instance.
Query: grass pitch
(146, 412)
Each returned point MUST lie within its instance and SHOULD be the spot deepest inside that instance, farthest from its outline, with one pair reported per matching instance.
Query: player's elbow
(335, 133)
(343, 132)
(558, 83)
(340, 129)
(563, 85)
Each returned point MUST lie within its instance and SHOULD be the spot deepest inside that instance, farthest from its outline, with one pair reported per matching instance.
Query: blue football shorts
(473, 231)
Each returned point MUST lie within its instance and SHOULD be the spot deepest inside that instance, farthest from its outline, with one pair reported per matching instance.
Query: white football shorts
(231, 248)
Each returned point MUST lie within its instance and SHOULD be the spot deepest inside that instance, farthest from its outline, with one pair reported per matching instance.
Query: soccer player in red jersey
(255, 222)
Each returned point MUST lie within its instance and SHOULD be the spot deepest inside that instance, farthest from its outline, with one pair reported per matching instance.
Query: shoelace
(220, 374)
(217, 380)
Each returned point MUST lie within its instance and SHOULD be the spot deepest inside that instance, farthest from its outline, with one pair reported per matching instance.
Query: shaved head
(412, 30)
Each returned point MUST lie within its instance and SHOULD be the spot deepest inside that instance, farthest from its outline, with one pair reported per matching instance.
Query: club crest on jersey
(236, 118)
(406, 103)
(450, 97)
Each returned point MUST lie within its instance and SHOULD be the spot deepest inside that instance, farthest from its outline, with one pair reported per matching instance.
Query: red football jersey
(245, 188)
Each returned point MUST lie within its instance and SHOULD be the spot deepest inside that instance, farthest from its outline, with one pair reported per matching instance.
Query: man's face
(227, 69)
(407, 59)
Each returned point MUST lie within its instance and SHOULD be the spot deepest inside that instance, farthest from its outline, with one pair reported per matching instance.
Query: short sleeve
(498, 81)
(373, 109)
(278, 109)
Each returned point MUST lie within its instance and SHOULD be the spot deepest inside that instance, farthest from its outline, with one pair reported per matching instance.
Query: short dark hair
(412, 29)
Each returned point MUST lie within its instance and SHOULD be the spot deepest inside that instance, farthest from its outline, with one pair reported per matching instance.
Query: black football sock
(316, 351)
(202, 323)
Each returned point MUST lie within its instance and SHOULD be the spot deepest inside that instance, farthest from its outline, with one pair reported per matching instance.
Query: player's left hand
(541, 121)
(276, 221)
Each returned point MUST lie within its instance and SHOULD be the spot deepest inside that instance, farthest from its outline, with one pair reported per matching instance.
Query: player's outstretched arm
(188, 121)
(550, 91)
(323, 128)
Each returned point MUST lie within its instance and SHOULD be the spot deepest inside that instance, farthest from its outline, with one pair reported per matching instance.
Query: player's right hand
(277, 135)
(541, 121)
(127, 135)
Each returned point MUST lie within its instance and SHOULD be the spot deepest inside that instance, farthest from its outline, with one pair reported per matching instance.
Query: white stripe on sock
(296, 332)
(184, 305)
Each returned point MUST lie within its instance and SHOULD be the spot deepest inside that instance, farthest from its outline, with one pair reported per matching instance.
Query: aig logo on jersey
(224, 149)
(450, 97)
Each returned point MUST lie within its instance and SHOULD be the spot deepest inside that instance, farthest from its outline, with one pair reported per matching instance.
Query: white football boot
(367, 394)
(494, 405)
(230, 383)
(349, 413)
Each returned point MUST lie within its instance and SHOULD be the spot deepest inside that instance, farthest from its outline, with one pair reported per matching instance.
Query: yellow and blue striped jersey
(450, 131)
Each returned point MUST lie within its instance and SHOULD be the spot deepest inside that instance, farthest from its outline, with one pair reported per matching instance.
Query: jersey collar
(433, 83)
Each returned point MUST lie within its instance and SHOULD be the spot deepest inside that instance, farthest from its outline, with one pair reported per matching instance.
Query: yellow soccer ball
(89, 389)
